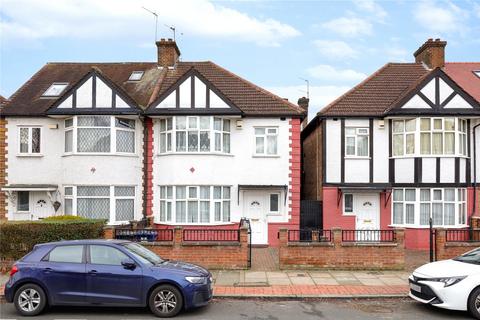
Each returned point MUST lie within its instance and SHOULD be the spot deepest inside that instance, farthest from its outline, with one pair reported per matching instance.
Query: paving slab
(325, 281)
(371, 282)
(317, 274)
(301, 281)
(227, 278)
(394, 281)
(255, 276)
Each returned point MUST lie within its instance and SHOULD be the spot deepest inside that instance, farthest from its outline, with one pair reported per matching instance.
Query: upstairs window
(437, 136)
(356, 142)
(55, 89)
(29, 140)
(266, 141)
(194, 134)
(99, 134)
(404, 137)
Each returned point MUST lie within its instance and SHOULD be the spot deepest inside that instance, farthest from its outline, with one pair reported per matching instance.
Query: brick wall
(212, 255)
(447, 250)
(3, 166)
(341, 255)
(312, 165)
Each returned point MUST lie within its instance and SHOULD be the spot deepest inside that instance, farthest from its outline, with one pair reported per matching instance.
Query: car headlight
(196, 280)
(448, 281)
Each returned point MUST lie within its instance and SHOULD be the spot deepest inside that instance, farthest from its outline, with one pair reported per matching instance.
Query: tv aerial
(174, 31)
(156, 20)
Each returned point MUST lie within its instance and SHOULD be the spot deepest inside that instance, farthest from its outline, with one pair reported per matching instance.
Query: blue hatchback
(105, 273)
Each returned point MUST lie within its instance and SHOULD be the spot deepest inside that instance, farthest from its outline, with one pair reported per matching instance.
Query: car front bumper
(199, 295)
(454, 297)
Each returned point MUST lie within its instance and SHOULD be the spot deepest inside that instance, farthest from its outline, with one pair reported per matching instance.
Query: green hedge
(19, 238)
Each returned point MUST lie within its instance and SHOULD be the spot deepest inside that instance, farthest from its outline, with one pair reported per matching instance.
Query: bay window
(445, 206)
(194, 204)
(429, 136)
(266, 141)
(29, 140)
(99, 134)
(112, 203)
(194, 134)
(356, 142)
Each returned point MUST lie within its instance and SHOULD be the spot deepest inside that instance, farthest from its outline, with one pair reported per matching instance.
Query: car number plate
(415, 287)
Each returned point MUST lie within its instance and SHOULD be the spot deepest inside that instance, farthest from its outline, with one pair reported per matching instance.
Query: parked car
(105, 273)
(450, 284)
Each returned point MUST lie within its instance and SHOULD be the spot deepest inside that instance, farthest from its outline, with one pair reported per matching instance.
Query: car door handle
(47, 270)
(92, 272)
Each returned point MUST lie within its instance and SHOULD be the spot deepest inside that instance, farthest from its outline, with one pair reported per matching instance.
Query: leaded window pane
(124, 191)
(69, 141)
(125, 141)
(93, 140)
(35, 140)
(124, 209)
(93, 121)
(192, 141)
(93, 208)
(204, 141)
(93, 191)
(23, 140)
(181, 141)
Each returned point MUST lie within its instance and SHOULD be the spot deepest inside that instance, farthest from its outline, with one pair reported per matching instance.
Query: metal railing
(368, 236)
(305, 235)
(144, 234)
(230, 235)
(464, 235)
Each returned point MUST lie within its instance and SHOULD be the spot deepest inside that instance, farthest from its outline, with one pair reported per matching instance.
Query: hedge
(19, 238)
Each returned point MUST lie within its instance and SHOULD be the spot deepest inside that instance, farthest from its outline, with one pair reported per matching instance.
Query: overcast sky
(275, 44)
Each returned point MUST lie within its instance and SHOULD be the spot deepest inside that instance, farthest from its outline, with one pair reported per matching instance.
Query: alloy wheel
(29, 300)
(165, 301)
(477, 303)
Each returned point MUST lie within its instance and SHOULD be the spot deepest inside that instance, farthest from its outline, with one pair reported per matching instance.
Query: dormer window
(55, 89)
(136, 76)
(477, 73)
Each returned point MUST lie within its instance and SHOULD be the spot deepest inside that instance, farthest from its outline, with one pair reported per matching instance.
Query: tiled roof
(249, 98)
(462, 74)
(28, 100)
(376, 94)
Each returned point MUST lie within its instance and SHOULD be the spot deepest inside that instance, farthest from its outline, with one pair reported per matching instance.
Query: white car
(450, 284)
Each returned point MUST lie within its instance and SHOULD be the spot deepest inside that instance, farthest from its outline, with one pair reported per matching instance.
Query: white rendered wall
(333, 150)
(380, 152)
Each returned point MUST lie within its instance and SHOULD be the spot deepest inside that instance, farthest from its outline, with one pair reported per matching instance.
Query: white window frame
(404, 134)
(29, 141)
(29, 202)
(224, 200)
(63, 84)
(136, 76)
(167, 137)
(278, 211)
(345, 212)
(458, 203)
(113, 136)
(358, 132)
(265, 136)
(112, 200)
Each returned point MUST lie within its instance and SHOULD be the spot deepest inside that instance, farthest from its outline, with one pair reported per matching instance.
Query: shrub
(19, 238)
(64, 218)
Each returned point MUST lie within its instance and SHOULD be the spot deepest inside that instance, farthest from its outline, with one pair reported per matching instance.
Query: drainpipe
(145, 178)
(474, 175)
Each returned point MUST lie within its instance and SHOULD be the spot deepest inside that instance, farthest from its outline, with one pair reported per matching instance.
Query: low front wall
(209, 254)
(342, 255)
(448, 250)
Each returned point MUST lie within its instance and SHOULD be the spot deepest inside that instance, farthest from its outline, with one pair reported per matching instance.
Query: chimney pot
(167, 53)
(431, 53)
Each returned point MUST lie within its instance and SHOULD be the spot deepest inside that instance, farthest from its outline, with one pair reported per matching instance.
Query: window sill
(265, 156)
(411, 156)
(195, 224)
(29, 155)
(416, 226)
(101, 154)
(195, 153)
(356, 158)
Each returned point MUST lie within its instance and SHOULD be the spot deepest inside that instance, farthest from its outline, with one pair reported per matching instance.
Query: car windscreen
(470, 257)
(142, 253)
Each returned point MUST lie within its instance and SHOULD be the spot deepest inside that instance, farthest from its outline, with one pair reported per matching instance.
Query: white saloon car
(450, 284)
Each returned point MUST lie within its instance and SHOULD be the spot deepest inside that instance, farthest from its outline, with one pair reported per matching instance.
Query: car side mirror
(129, 264)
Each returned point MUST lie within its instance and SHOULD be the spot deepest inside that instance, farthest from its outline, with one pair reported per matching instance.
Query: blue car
(105, 273)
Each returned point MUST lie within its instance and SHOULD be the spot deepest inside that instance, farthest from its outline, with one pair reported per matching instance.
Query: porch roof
(30, 187)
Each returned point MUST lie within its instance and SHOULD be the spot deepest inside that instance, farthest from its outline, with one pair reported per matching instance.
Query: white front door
(367, 210)
(255, 209)
(41, 206)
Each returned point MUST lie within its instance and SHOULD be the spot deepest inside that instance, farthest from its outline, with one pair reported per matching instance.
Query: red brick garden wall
(342, 255)
(448, 250)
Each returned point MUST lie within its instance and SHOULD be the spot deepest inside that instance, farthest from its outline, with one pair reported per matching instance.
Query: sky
(275, 44)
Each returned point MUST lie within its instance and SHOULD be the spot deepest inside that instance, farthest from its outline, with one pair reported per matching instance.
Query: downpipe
(474, 207)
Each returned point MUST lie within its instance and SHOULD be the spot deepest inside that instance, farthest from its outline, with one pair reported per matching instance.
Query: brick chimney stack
(432, 53)
(303, 103)
(168, 52)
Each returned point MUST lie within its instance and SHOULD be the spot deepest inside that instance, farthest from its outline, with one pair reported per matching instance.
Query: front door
(255, 210)
(41, 205)
(367, 210)
(108, 281)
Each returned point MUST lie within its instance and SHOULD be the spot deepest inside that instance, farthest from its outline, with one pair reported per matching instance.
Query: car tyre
(30, 300)
(165, 301)
(474, 303)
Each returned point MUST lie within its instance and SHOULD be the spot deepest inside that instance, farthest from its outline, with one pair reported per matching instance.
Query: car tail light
(14, 270)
